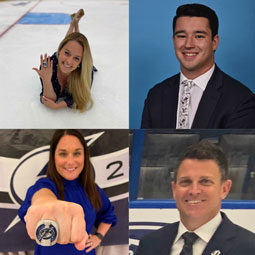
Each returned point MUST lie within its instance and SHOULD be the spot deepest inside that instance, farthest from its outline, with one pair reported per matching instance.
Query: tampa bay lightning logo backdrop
(31, 167)
(36, 160)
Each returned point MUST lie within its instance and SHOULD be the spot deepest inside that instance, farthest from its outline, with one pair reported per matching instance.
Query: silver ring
(44, 63)
(46, 232)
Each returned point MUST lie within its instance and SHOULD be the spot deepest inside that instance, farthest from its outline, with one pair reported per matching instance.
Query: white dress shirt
(205, 233)
(196, 93)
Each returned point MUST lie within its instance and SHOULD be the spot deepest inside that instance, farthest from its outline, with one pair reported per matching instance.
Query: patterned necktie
(183, 121)
(189, 239)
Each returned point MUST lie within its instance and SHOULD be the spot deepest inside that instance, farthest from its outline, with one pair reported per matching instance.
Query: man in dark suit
(201, 96)
(200, 183)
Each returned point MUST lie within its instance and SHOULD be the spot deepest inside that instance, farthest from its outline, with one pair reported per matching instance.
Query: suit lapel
(208, 101)
(222, 240)
(167, 239)
(170, 103)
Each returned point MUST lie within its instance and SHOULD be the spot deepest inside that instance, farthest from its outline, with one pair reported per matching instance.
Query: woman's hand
(46, 74)
(46, 68)
(49, 103)
(70, 219)
(52, 104)
(92, 242)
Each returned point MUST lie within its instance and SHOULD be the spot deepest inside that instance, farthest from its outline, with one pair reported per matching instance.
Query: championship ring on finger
(44, 63)
(46, 232)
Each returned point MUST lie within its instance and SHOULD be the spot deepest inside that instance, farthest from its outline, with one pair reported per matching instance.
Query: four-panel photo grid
(127, 127)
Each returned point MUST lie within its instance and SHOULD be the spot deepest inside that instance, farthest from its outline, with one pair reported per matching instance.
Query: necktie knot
(189, 239)
(187, 85)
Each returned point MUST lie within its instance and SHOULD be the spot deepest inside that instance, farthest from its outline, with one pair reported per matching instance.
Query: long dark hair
(86, 177)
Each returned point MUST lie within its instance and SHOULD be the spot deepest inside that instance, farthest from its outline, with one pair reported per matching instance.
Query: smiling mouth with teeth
(190, 54)
(193, 202)
(70, 169)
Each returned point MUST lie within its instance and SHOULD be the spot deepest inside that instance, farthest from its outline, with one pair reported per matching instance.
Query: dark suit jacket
(229, 239)
(225, 103)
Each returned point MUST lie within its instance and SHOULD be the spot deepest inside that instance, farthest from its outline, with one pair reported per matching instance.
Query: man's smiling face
(194, 45)
(198, 191)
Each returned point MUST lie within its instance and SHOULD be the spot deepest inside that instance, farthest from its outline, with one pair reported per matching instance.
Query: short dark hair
(198, 10)
(205, 150)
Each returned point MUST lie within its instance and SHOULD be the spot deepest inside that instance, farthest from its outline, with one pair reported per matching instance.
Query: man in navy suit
(214, 99)
(200, 183)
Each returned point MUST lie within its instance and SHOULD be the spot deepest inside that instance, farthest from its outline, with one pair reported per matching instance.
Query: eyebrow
(201, 32)
(188, 177)
(78, 149)
(196, 32)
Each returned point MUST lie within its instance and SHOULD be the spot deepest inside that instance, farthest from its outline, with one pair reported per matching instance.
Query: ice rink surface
(105, 25)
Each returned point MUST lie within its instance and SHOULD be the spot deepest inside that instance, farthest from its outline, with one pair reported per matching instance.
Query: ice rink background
(105, 25)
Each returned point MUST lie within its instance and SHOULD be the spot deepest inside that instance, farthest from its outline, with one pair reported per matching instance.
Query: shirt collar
(202, 80)
(205, 232)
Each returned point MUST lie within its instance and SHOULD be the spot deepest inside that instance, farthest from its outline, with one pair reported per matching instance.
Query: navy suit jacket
(229, 239)
(225, 103)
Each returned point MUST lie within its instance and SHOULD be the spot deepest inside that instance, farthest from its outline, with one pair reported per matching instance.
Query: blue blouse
(73, 192)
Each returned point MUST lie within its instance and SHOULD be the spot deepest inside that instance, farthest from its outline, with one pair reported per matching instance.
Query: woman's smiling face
(69, 57)
(69, 157)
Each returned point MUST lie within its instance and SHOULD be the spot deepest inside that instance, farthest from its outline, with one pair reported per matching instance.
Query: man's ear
(173, 186)
(216, 40)
(226, 186)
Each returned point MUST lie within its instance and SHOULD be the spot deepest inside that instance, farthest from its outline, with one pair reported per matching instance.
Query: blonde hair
(79, 81)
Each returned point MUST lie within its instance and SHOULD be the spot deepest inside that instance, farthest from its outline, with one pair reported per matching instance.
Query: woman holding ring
(67, 204)
(67, 75)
